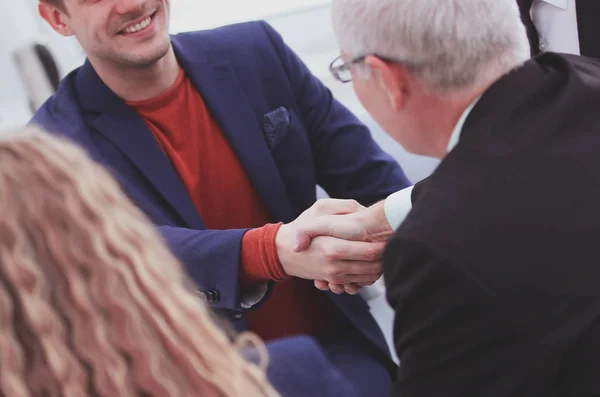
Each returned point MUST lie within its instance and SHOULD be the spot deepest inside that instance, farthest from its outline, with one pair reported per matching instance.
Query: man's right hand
(368, 224)
(329, 259)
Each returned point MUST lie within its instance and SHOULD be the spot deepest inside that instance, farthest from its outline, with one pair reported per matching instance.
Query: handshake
(336, 243)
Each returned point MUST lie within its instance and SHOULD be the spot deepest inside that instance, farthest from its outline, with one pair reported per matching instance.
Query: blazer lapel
(111, 117)
(227, 102)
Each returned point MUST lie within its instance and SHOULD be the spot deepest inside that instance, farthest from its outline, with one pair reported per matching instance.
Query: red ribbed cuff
(259, 256)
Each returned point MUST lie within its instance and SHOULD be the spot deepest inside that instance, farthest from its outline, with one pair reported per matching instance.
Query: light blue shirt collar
(455, 136)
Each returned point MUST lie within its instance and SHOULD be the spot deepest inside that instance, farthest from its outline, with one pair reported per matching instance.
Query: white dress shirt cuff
(252, 298)
(397, 206)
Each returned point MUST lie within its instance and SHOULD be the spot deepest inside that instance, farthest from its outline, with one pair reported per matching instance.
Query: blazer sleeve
(210, 257)
(299, 368)
(212, 260)
(348, 161)
(450, 337)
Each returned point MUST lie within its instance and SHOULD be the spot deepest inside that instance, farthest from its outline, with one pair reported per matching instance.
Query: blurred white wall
(201, 14)
(21, 26)
(17, 27)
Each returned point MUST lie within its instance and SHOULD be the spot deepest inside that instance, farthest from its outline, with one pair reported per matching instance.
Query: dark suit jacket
(494, 275)
(588, 12)
(285, 127)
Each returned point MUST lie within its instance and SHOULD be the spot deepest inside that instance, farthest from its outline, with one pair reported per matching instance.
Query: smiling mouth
(138, 27)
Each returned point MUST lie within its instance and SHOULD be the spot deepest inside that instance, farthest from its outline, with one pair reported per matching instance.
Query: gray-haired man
(493, 272)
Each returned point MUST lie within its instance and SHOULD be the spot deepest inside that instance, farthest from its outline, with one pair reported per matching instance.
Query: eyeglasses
(341, 70)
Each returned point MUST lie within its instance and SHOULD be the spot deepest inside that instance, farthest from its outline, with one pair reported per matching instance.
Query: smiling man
(221, 137)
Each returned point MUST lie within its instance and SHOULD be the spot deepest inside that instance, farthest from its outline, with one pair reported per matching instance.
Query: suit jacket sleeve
(448, 336)
(349, 163)
(211, 258)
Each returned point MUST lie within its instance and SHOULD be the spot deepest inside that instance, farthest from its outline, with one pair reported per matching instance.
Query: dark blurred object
(588, 12)
(39, 71)
(50, 67)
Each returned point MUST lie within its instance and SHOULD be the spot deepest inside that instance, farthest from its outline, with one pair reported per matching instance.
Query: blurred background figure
(566, 26)
(92, 303)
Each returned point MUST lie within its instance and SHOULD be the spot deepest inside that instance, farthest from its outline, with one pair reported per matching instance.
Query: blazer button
(237, 315)
(213, 296)
(202, 295)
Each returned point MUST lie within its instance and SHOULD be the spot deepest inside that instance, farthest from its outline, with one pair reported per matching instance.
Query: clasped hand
(337, 243)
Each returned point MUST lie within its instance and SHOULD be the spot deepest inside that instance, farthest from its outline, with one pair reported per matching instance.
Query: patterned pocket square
(276, 125)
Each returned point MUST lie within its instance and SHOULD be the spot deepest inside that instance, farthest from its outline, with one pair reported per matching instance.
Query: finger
(321, 226)
(335, 206)
(336, 270)
(352, 250)
(362, 268)
(303, 239)
(338, 226)
(351, 289)
(322, 285)
(354, 279)
(337, 288)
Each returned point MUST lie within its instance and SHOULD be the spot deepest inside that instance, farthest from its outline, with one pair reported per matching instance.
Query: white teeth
(139, 26)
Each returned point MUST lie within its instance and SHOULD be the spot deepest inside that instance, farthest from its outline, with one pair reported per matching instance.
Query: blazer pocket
(276, 126)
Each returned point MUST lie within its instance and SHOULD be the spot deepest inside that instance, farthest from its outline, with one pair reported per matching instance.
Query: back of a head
(91, 301)
(450, 45)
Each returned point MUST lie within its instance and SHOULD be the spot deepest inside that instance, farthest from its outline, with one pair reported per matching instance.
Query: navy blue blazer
(298, 367)
(284, 125)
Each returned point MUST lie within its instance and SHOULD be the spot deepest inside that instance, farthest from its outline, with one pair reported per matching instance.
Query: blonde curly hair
(92, 303)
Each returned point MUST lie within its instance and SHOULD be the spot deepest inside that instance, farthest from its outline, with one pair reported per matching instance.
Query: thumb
(304, 234)
(302, 241)
(332, 206)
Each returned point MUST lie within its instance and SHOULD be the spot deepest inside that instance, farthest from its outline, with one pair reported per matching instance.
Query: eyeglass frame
(335, 70)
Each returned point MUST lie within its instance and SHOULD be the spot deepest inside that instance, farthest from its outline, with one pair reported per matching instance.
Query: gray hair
(449, 45)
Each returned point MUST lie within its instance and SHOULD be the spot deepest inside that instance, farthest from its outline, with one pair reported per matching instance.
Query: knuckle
(321, 205)
(353, 204)
(376, 266)
(372, 254)
(332, 253)
(331, 272)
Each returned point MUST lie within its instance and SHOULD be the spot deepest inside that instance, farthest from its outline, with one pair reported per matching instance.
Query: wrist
(376, 222)
(259, 260)
(282, 239)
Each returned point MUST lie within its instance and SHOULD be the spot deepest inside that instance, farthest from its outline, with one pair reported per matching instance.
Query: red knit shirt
(225, 198)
